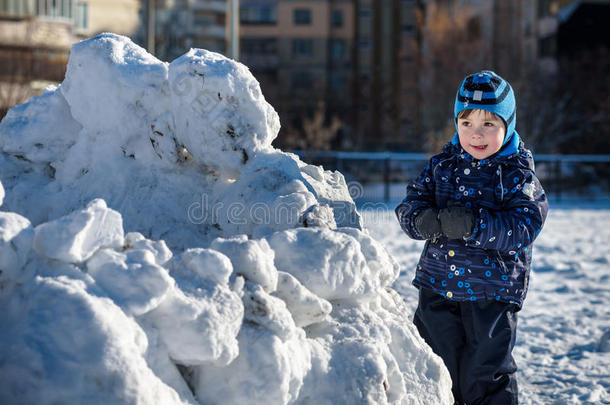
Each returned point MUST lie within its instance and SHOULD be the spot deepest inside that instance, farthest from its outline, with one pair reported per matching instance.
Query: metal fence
(383, 176)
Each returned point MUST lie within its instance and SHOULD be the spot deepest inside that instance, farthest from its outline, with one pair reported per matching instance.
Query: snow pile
(155, 248)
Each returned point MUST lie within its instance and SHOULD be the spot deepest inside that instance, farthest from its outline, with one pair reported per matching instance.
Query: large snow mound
(156, 249)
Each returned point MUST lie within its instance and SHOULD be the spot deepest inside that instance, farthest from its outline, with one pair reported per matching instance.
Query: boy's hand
(427, 224)
(456, 222)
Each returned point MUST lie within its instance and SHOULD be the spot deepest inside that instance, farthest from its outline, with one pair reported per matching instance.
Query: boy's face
(481, 134)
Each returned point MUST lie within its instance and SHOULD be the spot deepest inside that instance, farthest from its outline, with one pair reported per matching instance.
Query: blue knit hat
(488, 91)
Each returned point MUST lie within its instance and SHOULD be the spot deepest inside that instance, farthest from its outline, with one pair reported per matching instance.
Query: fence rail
(561, 175)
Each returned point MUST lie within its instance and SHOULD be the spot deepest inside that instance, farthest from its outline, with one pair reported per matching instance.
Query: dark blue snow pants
(475, 340)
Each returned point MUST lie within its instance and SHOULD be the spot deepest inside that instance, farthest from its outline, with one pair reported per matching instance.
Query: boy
(480, 206)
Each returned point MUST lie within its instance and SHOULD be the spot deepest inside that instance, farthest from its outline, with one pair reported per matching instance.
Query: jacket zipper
(439, 163)
(501, 185)
(503, 267)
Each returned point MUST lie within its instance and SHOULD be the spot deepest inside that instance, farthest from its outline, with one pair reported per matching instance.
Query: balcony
(209, 5)
(209, 31)
(260, 61)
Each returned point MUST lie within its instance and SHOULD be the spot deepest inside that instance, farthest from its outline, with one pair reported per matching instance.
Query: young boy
(480, 206)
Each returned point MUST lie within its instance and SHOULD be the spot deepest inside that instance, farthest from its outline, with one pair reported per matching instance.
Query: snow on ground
(156, 249)
(563, 338)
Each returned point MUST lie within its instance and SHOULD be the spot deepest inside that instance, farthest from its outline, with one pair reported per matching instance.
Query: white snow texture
(156, 249)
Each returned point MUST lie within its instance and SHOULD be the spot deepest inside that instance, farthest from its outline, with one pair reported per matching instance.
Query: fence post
(386, 179)
(558, 179)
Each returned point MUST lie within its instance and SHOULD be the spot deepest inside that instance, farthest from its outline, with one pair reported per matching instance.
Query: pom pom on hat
(486, 90)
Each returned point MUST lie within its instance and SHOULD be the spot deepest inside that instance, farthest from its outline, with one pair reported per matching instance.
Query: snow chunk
(16, 234)
(132, 279)
(252, 259)
(604, 342)
(40, 130)
(75, 237)
(376, 356)
(70, 346)
(269, 195)
(200, 318)
(268, 371)
(330, 189)
(198, 266)
(218, 107)
(377, 257)
(337, 270)
(135, 240)
(1, 194)
(268, 311)
(306, 308)
(109, 80)
(319, 216)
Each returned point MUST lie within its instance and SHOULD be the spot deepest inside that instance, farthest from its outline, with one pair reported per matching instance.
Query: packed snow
(563, 333)
(156, 249)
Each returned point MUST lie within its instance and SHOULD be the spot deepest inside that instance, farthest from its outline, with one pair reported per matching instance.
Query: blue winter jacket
(510, 208)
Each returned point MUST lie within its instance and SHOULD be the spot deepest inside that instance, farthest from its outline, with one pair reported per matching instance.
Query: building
(36, 36)
(387, 64)
(583, 49)
(514, 38)
(301, 52)
(583, 28)
(97, 16)
(184, 24)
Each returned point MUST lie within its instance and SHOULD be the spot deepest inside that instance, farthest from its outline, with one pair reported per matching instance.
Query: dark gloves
(427, 224)
(456, 222)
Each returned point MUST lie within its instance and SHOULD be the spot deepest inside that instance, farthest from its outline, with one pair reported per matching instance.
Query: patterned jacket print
(510, 208)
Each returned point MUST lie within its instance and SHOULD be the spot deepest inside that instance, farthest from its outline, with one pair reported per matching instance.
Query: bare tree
(15, 78)
(317, 133)
(568, 111)
(451, 49)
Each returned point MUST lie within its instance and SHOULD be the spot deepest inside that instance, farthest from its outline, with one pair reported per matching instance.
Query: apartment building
(386, 63)
(96, 16)
(36, 36)
(357, 57)
(301, 52)
(184, 24)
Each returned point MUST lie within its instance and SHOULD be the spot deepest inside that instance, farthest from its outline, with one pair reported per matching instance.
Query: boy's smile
(481, 133)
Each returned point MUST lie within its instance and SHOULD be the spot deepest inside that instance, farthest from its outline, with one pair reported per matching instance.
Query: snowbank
(155, 248)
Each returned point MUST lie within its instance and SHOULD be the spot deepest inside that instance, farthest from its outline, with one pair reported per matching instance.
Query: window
(57, 8)
(62, 9)
(258, 14)
(4, 6)
(204, 18)
(337, 49)
(336, 18)
(364, 13)
(302, 16)
(338, 81)
(259, 46)
(67, 10)
(82, 16)
(301, 80)
(364, 45)
(302, 48)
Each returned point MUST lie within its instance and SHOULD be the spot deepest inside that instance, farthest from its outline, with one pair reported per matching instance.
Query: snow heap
(156, 249)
